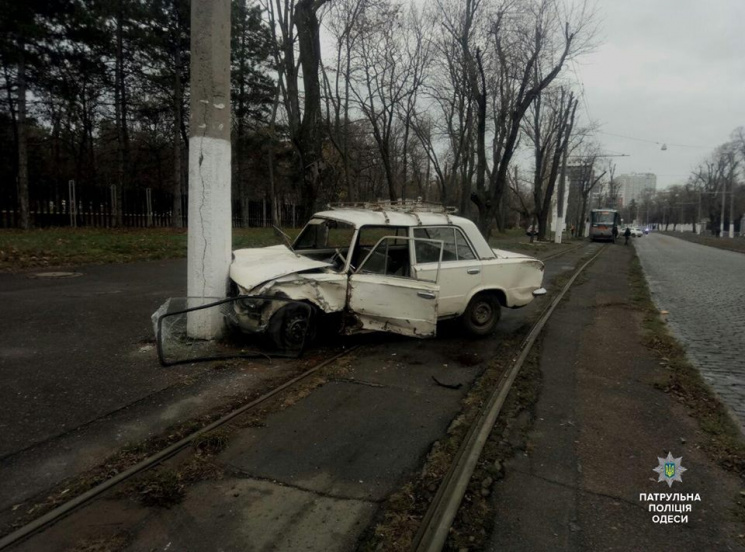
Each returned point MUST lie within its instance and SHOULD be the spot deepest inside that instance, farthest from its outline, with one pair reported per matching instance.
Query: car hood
(502, 254)
(252, 267)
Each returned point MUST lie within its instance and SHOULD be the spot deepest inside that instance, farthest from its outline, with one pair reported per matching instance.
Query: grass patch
(161, 487)
(723, 441)
(67, 247)
(55, 247)
(211, 443)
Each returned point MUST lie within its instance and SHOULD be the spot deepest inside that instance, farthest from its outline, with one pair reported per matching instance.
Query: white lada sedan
(385, 268)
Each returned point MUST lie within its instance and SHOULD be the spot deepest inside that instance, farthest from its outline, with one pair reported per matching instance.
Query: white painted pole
(732, 209)
(210, 232)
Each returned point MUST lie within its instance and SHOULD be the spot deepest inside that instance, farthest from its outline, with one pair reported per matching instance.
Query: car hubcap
(296, 329)
(482, 314)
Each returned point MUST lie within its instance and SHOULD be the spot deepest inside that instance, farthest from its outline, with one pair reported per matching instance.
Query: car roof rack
(410, 206)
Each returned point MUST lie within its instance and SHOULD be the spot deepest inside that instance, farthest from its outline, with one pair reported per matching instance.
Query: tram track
(75, 503)
(435, 526)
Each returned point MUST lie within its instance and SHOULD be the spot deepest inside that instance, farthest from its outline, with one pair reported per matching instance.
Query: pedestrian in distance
(627, 235)
(615, 233)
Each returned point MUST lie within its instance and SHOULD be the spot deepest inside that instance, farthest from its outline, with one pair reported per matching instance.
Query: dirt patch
(103, 544)
(468, 359)
(161, 487)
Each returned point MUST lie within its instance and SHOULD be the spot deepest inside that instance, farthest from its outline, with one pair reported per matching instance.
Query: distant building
(634, 185)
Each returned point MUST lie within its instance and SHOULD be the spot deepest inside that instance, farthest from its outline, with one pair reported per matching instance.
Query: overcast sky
(666, 71)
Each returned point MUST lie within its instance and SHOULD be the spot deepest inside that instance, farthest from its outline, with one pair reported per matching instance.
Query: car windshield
(603, 217)
(325, 234)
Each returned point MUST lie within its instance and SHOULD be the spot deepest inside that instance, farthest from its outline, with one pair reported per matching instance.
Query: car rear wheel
(482, 315)
(293, 327)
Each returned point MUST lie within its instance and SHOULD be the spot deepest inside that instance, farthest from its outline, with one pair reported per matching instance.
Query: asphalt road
(70, 347)
(312, 476)
(703, 290)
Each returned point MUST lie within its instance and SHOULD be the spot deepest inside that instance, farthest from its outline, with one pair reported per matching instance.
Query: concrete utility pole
(562, 200)
(208, 260)
(732, 197)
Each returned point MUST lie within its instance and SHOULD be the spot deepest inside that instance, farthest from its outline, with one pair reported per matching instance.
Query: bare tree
(549, 129)
(308, 139)
(342, 22)
(528, 39)
(388, 70)
(585, 180)
(451, 92)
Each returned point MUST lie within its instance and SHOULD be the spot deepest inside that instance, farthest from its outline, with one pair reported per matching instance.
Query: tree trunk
(177, 221)
(347, 77)
(581, 225)
(24, 220)
(309, 140)
(120, 115)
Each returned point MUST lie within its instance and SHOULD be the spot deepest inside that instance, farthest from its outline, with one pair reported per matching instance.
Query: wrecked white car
(385, 268)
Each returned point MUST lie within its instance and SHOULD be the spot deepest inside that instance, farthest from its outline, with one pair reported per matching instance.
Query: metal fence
(96, 206)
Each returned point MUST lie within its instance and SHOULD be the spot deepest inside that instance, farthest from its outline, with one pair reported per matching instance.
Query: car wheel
(482, 315)
(293, 327)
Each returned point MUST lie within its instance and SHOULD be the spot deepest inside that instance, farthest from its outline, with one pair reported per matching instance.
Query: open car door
(383, 295)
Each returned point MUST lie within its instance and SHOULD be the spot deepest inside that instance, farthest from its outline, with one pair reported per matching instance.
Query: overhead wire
(573, 68)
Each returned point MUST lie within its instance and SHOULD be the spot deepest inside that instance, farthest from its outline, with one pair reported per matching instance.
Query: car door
(384, 296)
(459, 272)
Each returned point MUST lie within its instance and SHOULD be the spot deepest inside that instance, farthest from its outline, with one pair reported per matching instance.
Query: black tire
(293, 327)
(482, 315)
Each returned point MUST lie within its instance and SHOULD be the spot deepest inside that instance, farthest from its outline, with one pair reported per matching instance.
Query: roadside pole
(209, 243)
(562, 200)
(732, 208)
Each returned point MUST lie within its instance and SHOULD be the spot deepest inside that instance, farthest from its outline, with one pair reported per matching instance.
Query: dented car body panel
(385, 270)
(252, 267)
(377, 303)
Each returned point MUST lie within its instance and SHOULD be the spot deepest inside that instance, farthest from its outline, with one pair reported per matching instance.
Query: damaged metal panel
(252, 267)
(328, 291)
(518, 277)
(397, 305)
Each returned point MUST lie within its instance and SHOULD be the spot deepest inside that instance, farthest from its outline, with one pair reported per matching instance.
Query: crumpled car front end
(265, 279)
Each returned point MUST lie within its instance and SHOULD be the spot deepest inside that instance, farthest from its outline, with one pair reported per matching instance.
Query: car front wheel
(292, 327)
(482, 315)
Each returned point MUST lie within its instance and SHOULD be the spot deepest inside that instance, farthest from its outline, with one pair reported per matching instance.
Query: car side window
(370, 235)
(455, 245)
(430, 253)
(464, 251)
(389, 258)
